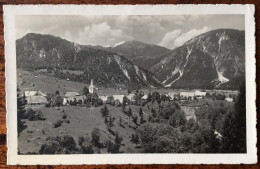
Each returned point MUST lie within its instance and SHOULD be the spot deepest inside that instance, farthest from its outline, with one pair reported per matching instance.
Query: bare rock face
(215, 59)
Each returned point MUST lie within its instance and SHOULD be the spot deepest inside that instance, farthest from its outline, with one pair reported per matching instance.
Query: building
(229, 99)
(187, 95)
(92, 88)
(144, 97)
(67, 100)
(200, 94)
(35, 97)
(119, 97)
(34, 93)
(71, 94)
(103, 98)
(36, 100)
(131, 96)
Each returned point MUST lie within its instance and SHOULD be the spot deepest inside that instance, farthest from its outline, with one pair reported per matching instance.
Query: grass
(82, 122)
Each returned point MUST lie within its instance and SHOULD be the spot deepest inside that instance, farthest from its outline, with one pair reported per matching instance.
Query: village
(67, 111)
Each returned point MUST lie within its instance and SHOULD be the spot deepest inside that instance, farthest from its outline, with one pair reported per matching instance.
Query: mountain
(141, 54)
(215, 59)
(35, 51)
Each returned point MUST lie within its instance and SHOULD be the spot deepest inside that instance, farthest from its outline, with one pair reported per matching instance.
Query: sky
(169, 31)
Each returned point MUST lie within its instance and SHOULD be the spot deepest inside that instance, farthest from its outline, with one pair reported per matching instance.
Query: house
(67, 100)
(71, 94)
(200, 94)
(131, 96)
(229, 99)
(36, 100)
(35, 97)
(144, 97)
(103, 98)
(119, 97)
(34, 93)
(187, 95)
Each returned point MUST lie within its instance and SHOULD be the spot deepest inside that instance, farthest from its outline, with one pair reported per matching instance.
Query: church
(92, 89)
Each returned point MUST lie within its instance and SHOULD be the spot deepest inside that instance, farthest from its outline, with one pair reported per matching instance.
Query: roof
(36, 100)
(71, 94)
(34, 93)
(145, 96)
(75, 97)
(187, 93)
(199, 93)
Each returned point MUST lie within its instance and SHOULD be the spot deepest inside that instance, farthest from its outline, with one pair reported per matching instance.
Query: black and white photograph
(131, 84)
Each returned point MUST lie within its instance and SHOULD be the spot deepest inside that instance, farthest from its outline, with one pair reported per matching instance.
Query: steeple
(91, 87)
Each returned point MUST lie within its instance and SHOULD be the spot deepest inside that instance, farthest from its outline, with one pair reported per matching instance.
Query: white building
(199, 93)
(103, 98)
(35, 97)
(229, 99)
(187, 94)
(92, 88)
(130, 96)
(119, 97)
(71, 94)
(66, 100)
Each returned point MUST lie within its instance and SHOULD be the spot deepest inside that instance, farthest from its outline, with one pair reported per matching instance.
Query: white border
(10, 11)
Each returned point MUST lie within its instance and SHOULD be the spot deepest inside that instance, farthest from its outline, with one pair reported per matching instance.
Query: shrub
(34, 115)
(57, 123)
(67, 121)
(95, 134)
(85, 145)
(59, 145)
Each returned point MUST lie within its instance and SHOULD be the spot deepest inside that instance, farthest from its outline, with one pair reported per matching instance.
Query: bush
(67, 121)
(59, 145)
(57, 124)
(34, 115)
(64, 116)
(95, 134)
(85, 145)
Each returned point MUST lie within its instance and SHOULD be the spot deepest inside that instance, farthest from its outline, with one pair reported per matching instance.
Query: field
(36, 81)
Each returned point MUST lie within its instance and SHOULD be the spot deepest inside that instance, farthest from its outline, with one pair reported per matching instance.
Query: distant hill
(35, 51)
(215, 59)
(141, 54)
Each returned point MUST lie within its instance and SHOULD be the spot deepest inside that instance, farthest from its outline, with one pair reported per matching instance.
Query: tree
(234, 129)
(20, 112)
(124, 101)
(156, 97)
(85, 91)
(109, 122)
(112, 147)
(118, 139)
(135, 118)
(141, 113)
(57, 92)
(104, 111)
(136, 139)
(153, 113)
(95, 134)
(129, 114)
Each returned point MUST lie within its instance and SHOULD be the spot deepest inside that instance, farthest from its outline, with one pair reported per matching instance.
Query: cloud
(189, 35)
(176, 38)
(169, 38)
(99, 34)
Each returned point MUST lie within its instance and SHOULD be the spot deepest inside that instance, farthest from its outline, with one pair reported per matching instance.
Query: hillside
(35, 51)
(215, 59)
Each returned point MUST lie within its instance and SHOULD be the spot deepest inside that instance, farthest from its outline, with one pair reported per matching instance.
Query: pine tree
(20, 112)
(234, 129)
(129, 114)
